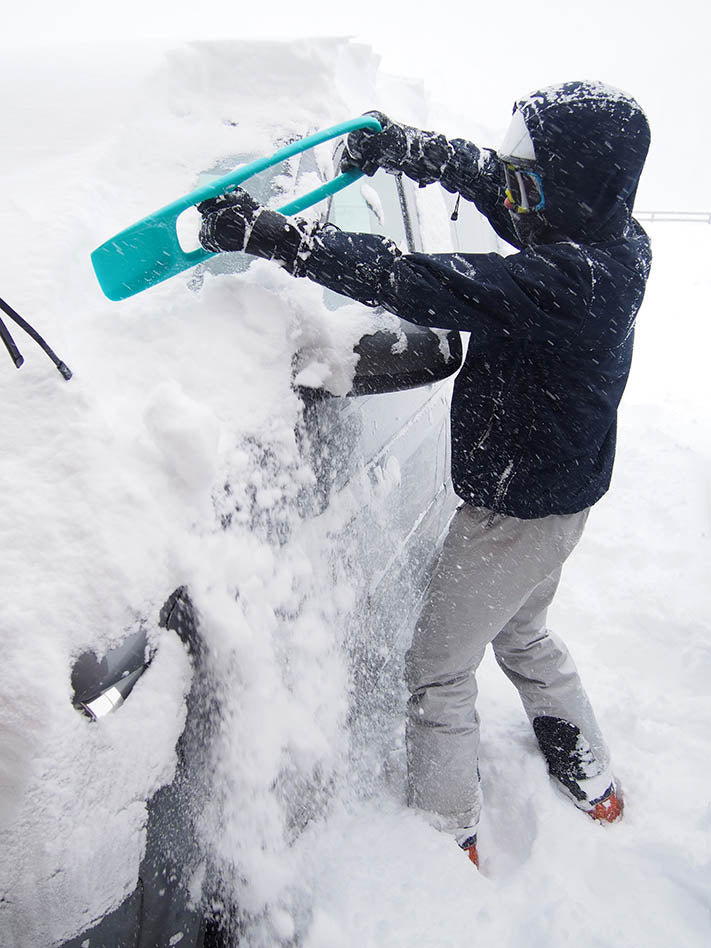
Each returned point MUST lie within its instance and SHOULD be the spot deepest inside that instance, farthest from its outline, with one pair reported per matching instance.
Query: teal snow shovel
(149, 252)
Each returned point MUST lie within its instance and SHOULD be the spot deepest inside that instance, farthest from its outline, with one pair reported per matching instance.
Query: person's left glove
(368, 150)
(420, 155)
(236, 222)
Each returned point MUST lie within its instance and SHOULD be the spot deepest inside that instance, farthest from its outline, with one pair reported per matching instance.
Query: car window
(471, 230)
(259, 186)
(372, 206)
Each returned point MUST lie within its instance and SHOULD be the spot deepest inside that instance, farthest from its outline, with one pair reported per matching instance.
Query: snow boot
(469, 847)
(609, 809)
(576, 770)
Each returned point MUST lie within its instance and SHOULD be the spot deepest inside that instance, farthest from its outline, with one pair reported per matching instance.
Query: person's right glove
(228, 221)
(418, 154)
(236, 222)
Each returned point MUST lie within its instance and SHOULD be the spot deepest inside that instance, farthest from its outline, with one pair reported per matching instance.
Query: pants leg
(487, 572)
(546, 678)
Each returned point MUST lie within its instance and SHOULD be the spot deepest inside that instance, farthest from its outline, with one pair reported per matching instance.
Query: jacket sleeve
(528, 295)
(473, 172)
(477, 175)
(461, 167)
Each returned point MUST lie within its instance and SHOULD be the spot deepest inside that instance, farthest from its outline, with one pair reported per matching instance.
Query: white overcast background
(471, 56)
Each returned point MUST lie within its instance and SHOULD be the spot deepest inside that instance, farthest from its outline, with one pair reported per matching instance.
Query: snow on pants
(494, 582)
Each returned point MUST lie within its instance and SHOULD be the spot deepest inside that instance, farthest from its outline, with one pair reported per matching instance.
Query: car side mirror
(414, 356)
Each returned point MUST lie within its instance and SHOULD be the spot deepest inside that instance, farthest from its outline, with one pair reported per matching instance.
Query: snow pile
(114, 495)
(114, 483)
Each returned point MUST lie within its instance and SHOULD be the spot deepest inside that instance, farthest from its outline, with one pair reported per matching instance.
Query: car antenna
(15, 354)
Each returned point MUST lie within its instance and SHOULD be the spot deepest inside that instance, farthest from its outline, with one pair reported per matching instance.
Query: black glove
(234, 221)
(227, 221)
(368, 150)
(418, 154)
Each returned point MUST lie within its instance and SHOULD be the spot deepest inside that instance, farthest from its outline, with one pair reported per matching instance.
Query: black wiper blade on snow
(15, 353)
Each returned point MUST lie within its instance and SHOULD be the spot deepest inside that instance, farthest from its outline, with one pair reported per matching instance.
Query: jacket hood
(591, 142)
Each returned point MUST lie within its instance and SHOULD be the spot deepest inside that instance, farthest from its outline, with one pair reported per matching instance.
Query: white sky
(476, 58)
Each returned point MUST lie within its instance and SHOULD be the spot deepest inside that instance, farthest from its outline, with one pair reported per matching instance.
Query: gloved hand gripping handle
(149, 252)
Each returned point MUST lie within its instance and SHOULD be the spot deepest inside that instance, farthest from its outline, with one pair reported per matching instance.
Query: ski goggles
(524, 189)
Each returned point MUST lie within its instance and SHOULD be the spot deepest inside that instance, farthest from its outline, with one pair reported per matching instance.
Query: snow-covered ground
(108, 486)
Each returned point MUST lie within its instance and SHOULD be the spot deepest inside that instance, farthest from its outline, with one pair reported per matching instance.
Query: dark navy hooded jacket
(535, 405)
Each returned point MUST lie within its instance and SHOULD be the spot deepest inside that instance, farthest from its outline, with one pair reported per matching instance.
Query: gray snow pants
(494, 582)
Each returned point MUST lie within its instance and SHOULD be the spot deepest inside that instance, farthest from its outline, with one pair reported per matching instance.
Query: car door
(392, 430)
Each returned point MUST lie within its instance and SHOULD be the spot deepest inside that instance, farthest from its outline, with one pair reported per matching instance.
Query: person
(534, 408)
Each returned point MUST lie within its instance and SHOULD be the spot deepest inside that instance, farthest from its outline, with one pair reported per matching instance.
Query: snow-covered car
(390, 434)
(218, 535)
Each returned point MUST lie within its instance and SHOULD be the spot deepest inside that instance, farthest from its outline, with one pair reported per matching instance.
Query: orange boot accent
(608, 810)
(473, 854)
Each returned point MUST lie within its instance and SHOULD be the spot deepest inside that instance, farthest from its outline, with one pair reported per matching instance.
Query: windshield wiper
(15, 353)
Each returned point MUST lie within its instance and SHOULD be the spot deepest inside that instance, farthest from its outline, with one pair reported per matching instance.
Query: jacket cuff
(427, 157)
(462, 170)
(274, 236)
